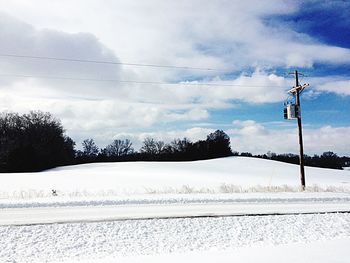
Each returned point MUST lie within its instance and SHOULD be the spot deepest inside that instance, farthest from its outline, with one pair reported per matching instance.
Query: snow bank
(148, 239)
(170, 199)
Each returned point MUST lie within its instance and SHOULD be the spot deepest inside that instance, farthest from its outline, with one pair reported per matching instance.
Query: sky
(229, 69)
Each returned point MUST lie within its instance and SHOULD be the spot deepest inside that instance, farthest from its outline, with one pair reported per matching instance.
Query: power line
(137, 81)
(107, 62)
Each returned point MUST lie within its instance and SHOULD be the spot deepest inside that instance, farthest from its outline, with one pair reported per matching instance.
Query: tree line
(217, 144)
(37, 141)
(33, 142)
(327, 159)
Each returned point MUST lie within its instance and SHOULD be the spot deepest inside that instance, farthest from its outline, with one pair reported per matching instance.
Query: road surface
(48, 215)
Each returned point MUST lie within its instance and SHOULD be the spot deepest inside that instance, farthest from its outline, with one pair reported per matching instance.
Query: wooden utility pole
(301, 147)
(296, 92)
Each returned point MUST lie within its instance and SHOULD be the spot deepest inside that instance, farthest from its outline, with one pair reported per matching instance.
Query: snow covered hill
(225, 175)
(95, 202)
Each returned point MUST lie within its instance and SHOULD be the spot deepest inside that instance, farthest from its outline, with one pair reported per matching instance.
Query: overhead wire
(117, 80)
(107, 62)
(136, 81)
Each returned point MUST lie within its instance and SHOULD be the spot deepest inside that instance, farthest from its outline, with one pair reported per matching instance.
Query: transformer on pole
(292, 110)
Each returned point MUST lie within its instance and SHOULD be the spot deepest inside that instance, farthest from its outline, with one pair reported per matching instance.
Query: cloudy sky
(229, 63)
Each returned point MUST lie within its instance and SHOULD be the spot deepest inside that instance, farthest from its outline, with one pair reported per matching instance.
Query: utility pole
(301, 146)
(296, 92)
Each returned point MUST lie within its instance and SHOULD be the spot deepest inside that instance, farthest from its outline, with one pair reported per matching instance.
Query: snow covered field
(235, 185)
(225, 175)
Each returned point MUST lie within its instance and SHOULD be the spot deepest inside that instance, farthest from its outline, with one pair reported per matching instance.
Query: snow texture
(324, 251)
(118, 239)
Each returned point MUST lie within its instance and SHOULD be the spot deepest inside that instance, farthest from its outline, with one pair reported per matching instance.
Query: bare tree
(149, 146)
(181, 145)
(119, 148)
(160, 146)
(90, 149)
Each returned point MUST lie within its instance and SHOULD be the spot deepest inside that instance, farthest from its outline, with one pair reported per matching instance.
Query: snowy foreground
(183, 240)
(231, 209)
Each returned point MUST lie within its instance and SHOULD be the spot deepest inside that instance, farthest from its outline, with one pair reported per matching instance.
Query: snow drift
(225, 175)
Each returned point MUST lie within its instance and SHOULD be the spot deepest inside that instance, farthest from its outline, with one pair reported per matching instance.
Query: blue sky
(326, 21)
(252, 46)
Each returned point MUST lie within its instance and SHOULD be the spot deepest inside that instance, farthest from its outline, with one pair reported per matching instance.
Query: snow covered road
(45, 215)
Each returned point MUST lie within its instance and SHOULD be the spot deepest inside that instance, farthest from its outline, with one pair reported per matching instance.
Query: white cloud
(258, 87)
(341, 87)
(23, 39)
(250, 136)
(229, 35)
